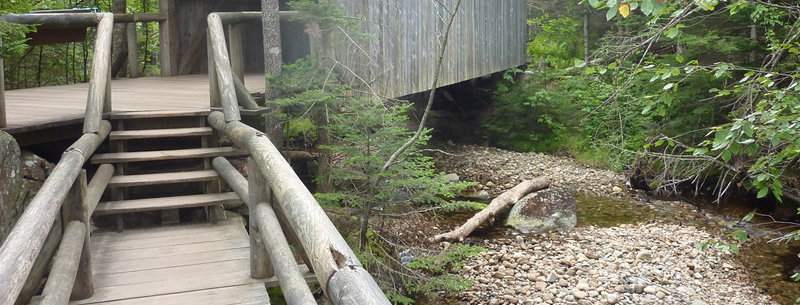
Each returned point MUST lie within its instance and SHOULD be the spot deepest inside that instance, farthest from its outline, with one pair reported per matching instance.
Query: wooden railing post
(237, 53)
(99, 99)
(3, 122)
(133, 51)
(76, 208)
(213, 82)
(260, 265)
(223, 67)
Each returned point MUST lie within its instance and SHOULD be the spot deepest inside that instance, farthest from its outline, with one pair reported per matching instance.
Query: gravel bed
(629, 264)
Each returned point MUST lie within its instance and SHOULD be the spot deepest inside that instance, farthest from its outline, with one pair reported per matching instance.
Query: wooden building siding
(399, 59)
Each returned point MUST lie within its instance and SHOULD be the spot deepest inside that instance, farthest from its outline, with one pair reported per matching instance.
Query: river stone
(544, 211)
(10, 184)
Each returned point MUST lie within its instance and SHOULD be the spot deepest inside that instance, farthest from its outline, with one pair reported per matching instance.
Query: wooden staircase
(162, 164)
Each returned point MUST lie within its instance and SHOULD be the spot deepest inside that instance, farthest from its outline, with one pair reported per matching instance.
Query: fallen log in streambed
(487, 214)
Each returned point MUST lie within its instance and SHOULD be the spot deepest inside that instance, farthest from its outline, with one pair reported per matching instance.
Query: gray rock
(479, 195)
(10, 184)
(650, 290)
(638, 288)
(544, 211)
(451, 177)
(552, 277)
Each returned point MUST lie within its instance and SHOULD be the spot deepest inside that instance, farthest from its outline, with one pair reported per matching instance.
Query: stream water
(769, 264)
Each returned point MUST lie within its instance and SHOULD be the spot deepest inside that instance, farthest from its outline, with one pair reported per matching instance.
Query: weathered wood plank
(233, 295)
(160, 133)
(163, 178)
(172, 250)
(176, 202)
(170, 261)
(191, 153)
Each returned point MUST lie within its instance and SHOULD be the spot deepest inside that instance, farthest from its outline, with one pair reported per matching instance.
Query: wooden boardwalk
(46, 107)
(184, 264)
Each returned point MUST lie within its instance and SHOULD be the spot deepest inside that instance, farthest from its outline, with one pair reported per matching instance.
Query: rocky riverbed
(628, 264)
(654, 262)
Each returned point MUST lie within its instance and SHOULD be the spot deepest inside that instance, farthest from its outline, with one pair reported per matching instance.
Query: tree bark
(271, 25)
(508, 198)
(586, 35)
(119, 39)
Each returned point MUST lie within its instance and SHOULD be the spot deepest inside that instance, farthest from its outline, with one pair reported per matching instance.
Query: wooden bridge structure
(152, 149)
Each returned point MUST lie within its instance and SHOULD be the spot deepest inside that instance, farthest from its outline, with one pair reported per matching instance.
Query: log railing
(59, 213)
(275, 195)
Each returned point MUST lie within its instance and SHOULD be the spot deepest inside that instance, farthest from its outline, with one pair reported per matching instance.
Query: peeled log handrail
(222, 66)
(54, 20)
(23, 244)
(59, 284)
(101, 75)
(331, 257)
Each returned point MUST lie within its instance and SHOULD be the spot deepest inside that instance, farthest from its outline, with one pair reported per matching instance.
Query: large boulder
(10, 184)
(544, 211)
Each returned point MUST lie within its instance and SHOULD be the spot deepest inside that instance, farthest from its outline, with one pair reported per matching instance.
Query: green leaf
(734, 249)
(594, 3)
(741, 236)
(679, 58)
(611, 12)
(749, 216)
(763, 192)
(726, 155)
(668, 86)
(672, 32)
(580, 63)
(647, 7)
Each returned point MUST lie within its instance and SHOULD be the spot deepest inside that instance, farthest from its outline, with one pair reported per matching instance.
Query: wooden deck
(46, 107)
(184, 264)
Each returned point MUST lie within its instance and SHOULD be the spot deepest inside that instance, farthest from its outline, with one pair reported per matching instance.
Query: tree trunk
(753, 42)
(271, 25)
(586, 36)
(119, 39)
(508, 198)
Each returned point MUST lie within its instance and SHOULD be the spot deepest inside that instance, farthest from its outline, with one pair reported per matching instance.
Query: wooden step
(160, 133)
(165, 203)
(158, 114)
(163, 178)
(191, 153)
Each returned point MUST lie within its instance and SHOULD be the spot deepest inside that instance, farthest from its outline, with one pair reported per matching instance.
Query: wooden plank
(170, 261)
(158, 114)
(151, 288)
(231, 223)
(170, 273)
(153, 204)
(172, 250)
(157, 242)
(191, 153)
(232, 295)
(163, 178)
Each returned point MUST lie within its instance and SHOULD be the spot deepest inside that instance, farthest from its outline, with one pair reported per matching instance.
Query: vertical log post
(260, 265)
(168, 35)
(76, 208)
(133, 51)
(223, 67)
(99, 94)
(236, 49)
(213, 82)
(3, 122)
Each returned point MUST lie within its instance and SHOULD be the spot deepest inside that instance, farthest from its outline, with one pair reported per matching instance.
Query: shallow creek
(769, 264)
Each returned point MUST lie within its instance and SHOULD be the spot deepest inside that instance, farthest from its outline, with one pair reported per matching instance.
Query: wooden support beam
(98, 185)
(133, 51)
(75, 208)
(101, 74)
(22, 246)
(54, 20)
(293, 286)
(252, 17)
(260, 265)
(223, 68)
(65, 265)
(168, 34)
(233, 178)
(236, 49)
(243, 95)
(140, 17)
(213, 81)
(327, 249)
